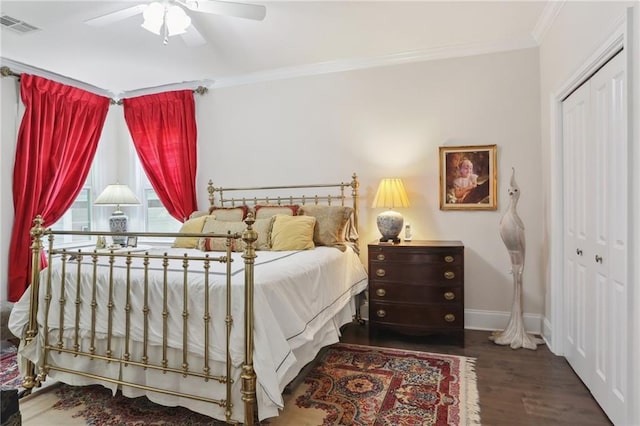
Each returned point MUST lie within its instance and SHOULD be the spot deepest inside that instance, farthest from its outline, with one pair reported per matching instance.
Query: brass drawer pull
(381, 313)
(449, 295)
(449, 318)
(381, 292)
(381, 272)
(380, 256)
(449, 275)
(448, 259)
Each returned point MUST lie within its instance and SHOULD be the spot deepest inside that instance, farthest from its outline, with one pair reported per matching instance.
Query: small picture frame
(132, 241)
(468, 177)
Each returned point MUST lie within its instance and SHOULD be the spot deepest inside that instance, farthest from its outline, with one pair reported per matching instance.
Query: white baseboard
(494, 320)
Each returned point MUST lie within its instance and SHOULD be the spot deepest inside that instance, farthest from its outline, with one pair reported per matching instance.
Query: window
(157, 218)
(77, 218)
(151, 216)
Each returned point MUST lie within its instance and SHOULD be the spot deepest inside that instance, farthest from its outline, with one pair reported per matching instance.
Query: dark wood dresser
(417, 288)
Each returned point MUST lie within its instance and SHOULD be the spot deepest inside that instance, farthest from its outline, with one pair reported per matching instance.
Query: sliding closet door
(595, 236)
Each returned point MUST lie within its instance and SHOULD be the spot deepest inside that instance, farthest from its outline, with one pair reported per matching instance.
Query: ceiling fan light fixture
(153, 17)
(173, 18)
(177, 20)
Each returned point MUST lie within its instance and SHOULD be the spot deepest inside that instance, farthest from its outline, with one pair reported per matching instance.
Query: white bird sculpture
(512, 233)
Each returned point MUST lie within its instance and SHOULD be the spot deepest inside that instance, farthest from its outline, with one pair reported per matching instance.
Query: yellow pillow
(215, 226)
(190, 226)
(292, 232)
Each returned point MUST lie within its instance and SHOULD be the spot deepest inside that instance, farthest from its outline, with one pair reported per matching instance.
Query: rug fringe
(471, 395)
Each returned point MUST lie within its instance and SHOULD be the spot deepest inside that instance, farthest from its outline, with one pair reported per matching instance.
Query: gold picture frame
(468, 177)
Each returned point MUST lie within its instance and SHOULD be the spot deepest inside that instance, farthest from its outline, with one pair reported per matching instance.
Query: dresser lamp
(390, 194)
(117, 195)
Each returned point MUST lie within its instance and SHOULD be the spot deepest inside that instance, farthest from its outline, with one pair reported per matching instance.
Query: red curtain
(56, 145)
(163, 128)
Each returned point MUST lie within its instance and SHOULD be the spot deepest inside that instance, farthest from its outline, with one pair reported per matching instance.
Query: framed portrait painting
(468, 177)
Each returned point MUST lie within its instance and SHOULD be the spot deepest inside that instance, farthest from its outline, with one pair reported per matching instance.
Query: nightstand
(417, 288)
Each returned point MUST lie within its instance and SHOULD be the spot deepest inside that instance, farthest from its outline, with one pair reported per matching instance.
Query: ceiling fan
(169, 17)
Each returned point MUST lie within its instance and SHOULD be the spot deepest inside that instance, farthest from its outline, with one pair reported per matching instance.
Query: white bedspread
(301, 300)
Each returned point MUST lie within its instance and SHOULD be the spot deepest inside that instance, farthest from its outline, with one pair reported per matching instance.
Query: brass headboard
(254, 195)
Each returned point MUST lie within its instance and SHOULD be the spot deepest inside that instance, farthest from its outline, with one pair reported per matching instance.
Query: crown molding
(411, 56)
(443, 52)
(19, 68)
(547, 17)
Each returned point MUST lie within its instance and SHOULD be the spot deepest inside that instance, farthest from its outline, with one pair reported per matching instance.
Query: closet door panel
(614, 127)
(599, 256)
(618, 250)
(619, 170)
(610, 211)
(596, 228)
(600, 331)
(577, 231)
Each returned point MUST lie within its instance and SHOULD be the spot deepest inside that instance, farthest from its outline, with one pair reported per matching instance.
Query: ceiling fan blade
(116, 16)
(240, 10)
(192, 37)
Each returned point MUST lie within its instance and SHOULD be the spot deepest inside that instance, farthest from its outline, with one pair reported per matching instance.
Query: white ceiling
(294, 36)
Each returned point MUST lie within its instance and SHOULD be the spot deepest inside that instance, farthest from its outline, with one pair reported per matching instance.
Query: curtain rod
(200, 90)
(6, 72)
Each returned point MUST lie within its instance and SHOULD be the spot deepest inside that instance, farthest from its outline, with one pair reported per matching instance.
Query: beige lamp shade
(390, 194)
(117, 194)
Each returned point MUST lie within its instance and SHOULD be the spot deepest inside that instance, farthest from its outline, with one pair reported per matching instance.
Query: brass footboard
(62, 336)
(117, 348)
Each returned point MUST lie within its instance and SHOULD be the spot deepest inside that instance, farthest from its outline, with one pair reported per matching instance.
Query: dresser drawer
(420, 294)
(416, 255)
(417, 316)
(427, 274)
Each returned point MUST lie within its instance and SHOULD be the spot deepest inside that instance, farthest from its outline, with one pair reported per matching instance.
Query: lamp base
(118, 223)
(390, 224)
(393, 240)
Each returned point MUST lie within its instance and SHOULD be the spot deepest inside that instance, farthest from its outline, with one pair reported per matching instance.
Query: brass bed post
(249, 236)
(36, 252)
(355, 185)
(211, 190)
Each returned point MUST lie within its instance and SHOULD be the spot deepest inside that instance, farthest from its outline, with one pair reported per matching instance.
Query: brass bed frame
(35, 375)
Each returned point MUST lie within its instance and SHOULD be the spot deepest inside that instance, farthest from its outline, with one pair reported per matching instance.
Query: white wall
(390, 121)
(380, 122)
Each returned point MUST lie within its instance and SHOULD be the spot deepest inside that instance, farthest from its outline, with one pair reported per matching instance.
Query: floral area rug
(348, 385)
(364, 385)
(9, 374)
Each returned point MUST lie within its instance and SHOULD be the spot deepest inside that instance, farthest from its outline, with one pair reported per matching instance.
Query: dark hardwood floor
(516, 387)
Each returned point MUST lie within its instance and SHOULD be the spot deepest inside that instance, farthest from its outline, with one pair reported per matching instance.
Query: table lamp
(390, 194)
(117, 195)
